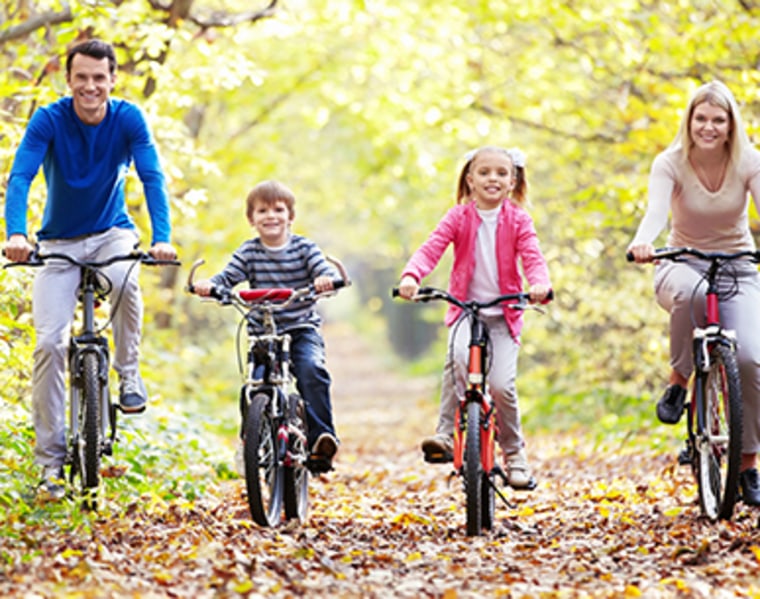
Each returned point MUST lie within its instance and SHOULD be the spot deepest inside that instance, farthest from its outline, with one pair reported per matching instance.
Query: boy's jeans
(307, 352)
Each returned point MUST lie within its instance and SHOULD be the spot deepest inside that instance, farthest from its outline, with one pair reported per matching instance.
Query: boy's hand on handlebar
(18, 249)
(163, 251)
(323, 284)
(538, 293)
(642, 252)
(203, 287)
(408, 287)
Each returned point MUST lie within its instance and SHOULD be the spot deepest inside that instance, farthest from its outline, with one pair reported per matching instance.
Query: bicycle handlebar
(282, 296)
(426, 294)
(675, 253)
(38, 259)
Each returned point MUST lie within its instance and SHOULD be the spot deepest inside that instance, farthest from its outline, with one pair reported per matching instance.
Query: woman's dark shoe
(670, 406)
(749, 484)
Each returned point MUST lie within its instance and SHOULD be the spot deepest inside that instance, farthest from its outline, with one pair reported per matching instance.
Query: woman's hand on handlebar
(408, 287)
(641, 252)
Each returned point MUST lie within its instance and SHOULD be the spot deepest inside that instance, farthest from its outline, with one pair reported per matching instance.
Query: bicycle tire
(90, 423)
(296, 484)
(263, 471)
(488, 453)
(473, 471)
(719, 436)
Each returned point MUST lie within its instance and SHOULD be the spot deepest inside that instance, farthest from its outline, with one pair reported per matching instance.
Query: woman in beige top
(703, 180)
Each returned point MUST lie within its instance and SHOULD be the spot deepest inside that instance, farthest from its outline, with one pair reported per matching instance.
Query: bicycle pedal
(498, 471)
(438, 457)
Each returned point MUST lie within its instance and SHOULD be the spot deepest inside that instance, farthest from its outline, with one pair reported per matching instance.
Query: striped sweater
(294, 265)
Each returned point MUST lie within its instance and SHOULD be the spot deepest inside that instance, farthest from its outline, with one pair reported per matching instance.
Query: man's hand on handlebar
(18, 249)
(163, 251)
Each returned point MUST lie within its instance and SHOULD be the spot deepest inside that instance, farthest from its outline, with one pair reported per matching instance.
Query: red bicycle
(475, 419)
(714, 423)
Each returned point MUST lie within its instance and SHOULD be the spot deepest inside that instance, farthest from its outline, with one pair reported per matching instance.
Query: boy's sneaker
(132, 394)
(518, 471)
(438, 449)
(322, 453)
(671, 404)
(52, 485)
(325, 447)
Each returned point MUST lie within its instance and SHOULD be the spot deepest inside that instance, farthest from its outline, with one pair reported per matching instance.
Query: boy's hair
(96, 49)
(269, 193)
(517, 158)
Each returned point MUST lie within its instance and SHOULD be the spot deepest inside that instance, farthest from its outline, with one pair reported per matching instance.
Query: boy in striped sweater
(280, 258)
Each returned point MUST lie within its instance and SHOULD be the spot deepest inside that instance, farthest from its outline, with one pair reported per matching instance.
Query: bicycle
(714, 411)
(92, 420)
(273, 430)
(476, 406)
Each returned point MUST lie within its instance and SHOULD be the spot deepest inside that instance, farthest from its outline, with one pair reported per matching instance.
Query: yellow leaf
(632, 590)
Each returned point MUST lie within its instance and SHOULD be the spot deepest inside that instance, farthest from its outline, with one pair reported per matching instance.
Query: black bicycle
(273, 421)
(714, 423)
(91, 431)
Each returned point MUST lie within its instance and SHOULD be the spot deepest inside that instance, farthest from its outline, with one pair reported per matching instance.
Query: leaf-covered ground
(604, 522)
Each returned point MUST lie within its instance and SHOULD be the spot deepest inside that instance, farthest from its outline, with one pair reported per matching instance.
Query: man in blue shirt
(85, 144)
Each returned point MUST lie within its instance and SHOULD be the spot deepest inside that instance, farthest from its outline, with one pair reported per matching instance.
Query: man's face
(90, 82)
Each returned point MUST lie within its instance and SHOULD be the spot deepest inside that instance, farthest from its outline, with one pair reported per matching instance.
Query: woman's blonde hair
(717, 94)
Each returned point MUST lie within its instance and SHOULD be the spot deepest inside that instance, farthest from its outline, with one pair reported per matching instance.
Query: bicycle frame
(476, 392)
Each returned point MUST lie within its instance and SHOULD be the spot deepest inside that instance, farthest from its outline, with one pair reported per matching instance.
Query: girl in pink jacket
(492, 234)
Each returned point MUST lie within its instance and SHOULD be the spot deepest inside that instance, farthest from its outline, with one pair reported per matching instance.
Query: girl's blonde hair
(519, 194)
(717, 94)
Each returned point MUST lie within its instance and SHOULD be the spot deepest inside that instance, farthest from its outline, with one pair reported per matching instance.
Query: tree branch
(36, 22)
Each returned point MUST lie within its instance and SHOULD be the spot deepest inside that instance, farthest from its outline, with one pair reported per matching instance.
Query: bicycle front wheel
(263, 471)
(719, 436)
(90, 424)
(473, 470)
(296, 474)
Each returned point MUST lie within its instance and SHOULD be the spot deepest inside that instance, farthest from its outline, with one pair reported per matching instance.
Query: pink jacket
(515, 238)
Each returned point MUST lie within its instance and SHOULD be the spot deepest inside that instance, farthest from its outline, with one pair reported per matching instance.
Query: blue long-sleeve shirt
(85, 167)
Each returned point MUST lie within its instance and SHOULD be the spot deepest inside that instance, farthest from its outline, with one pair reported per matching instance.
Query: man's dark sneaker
(670, 406)
(438, 449)
(132, 394)
(749, 484)
(52, 485)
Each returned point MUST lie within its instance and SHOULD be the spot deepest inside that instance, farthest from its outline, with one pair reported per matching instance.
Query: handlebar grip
(395, 292)
(339, 284)
(550, 295)
(629, 256)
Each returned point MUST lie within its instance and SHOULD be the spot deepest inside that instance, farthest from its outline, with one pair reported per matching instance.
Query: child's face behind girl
(491, 178)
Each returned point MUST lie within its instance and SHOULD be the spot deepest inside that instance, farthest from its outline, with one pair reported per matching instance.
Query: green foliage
(365, 110)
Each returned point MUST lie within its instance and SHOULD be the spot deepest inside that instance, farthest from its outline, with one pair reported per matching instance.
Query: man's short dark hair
(96, 49)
